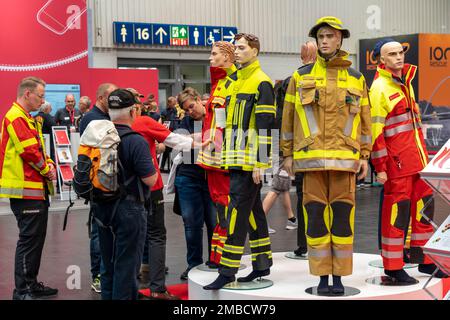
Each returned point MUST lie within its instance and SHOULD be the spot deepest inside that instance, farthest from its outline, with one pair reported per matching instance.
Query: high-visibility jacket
(210, 156)
(326, 117)
(250, 119)
(23, 162)
(398, 144)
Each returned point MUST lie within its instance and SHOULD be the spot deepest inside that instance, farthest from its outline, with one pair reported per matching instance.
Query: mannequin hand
(257, 174)
(287, 165)
(363, 169)
(382, 177)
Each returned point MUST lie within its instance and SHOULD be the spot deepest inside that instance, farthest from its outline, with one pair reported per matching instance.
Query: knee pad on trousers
(341, 219)
(316, 225)
(403, 214)
(429, 210)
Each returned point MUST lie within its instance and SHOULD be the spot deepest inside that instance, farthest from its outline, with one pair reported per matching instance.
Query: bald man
(69, 115)
(399, 153)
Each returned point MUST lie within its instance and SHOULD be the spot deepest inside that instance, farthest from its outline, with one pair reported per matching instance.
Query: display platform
(291, 278)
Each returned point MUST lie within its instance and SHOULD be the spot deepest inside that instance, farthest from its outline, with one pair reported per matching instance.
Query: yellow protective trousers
(329, 211)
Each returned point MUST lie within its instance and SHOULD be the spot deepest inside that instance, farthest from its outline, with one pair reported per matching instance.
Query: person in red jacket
(399, 154)
(153, 132)
(222, 65)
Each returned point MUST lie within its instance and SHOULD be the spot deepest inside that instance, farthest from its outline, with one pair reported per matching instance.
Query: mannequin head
(222, 54)
(329, 41)
(247, 48)
(308, 52)
(393, 57)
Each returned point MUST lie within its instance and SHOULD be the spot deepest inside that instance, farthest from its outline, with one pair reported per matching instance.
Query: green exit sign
(179, 35)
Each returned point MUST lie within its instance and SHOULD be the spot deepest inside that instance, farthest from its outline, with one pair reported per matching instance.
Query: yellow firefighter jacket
(326, 117)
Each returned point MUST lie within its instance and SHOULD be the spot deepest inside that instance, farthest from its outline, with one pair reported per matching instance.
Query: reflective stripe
(343, 254)
(312, 124)
(326, 163)
(378, 119)
(40, 163)
(325, 154)
(398, 119)
(399, 129)
(392, 241)
(233, 249)
(379, 154)
(392, 254)
(22, 192)
(312, 253)
(230, 263)
(264, 139)
(287, 136)
(28, 142)
(349, 125)
(259, 242)
(269, 253)
(366, 139)
(289, 98)
(421, 236)
(265, 109)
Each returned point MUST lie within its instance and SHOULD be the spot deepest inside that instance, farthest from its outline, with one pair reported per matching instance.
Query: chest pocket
(353, 100)
(308, 93)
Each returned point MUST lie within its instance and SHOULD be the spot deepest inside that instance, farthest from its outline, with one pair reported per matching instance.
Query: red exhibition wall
(48, 39)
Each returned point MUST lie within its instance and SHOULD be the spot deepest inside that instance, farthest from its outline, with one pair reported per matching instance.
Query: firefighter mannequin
(326, 135)
(399, 154)
(246, 153)
(222, 65)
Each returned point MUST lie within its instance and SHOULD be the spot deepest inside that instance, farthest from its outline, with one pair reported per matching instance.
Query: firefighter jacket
(326, 117)
(398, 144)
(215, 119)
(23, 162)
(250, 119)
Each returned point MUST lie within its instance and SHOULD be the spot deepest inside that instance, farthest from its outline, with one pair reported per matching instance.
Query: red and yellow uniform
(399, 150)
(210, 157)
(23, 162)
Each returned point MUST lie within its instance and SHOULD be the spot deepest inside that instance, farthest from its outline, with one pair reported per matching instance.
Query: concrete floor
(69, 250)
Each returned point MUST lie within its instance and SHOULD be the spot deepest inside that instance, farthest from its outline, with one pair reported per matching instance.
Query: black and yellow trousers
(245, 216)
(329, 210)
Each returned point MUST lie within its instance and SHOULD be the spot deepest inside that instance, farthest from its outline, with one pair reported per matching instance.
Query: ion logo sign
(439, 56)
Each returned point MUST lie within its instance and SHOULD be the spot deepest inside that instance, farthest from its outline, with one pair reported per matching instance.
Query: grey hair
(44, 106)
(86, 99)
(120, 114)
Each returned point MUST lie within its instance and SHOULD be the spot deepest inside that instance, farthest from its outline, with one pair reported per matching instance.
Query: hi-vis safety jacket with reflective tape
(23, 162)
(326, 117)
(250, 119)
(214, 123)
(398, 144)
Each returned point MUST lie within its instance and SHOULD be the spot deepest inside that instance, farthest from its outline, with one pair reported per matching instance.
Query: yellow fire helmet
(333, 22)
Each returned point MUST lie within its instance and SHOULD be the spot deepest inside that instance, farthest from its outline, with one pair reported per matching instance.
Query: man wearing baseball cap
(326, 135)
(122, 245)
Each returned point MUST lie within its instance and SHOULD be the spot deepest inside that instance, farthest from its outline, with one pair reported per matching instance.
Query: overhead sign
(171, 34)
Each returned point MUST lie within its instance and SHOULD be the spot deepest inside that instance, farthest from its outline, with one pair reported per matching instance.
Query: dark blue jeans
(121, 246)
(96, 257)
(196, 209)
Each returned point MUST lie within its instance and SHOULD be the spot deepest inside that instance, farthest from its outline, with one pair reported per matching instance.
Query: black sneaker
(184, 275)
(38, 290)
(22, 296)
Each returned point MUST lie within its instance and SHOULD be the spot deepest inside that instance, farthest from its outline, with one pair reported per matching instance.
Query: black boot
(300, 252)
(429, 269)
(219, 283)
(323, 288)
(338, 287)
(400, 276)
(253, 275)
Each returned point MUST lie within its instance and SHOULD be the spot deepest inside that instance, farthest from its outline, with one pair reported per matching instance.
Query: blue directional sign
(123, 32)
(143, 33)
(171, 34)
(161, 34)
(196, 36)
(213, 34)
(228, 34)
